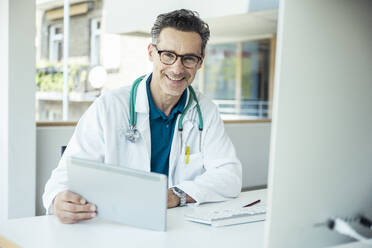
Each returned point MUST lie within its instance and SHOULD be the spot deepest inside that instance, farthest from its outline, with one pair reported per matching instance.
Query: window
(236, 77)
(55, 43)
(95, 29)
(84, 51)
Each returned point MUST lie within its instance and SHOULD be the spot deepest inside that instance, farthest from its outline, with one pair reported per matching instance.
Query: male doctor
(201, 165)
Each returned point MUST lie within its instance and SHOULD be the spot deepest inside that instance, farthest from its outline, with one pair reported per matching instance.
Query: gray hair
(182, 20)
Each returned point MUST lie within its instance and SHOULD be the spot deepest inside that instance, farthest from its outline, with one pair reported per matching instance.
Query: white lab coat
(212, 174)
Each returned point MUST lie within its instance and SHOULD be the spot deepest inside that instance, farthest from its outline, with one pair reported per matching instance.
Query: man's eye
(190, 59)
(168, 55)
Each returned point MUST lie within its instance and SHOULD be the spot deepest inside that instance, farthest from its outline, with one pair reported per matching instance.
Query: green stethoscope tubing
(133, 113)
(191, 98)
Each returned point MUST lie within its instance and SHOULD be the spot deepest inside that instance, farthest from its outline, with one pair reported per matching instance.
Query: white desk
(47, 231)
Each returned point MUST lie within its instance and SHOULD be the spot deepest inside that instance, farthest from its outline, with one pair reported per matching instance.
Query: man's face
(173, 79)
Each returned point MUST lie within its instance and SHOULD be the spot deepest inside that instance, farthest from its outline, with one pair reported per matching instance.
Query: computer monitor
(321, 144)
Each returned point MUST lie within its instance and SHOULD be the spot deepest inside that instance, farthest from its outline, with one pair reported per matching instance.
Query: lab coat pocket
(192, 167)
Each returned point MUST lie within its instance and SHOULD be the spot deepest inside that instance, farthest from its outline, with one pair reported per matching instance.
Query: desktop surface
(47, 231)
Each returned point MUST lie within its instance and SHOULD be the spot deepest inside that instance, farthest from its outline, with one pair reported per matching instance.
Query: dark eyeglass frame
(177, 55)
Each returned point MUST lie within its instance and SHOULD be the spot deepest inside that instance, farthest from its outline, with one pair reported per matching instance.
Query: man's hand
(173, 200)
(71, 208)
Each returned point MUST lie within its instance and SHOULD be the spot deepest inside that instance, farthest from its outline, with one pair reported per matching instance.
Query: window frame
(272, 39)
(53, 40)
(94, 33)
(239, 42)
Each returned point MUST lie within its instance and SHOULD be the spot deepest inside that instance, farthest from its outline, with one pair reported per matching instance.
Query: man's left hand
(173, 200)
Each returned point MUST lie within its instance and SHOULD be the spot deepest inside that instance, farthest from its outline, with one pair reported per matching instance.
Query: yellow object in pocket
(187, 154)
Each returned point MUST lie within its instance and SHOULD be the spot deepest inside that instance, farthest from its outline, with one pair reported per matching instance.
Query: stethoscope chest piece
(132, 134)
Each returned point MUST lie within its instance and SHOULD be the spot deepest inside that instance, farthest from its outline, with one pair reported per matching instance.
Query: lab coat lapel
(143, 124)
(179, 139)
(188, 121)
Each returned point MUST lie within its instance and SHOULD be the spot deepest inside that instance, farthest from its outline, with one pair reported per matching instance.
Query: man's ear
(150, 52)
(201, 62)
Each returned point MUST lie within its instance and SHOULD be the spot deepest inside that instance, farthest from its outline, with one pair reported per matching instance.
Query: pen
(187, 154)
(252, 203)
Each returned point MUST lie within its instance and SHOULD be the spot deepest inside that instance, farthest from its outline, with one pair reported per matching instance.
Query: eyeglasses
(169, 58)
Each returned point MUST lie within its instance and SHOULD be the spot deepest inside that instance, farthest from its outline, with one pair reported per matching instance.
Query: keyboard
(226, 217)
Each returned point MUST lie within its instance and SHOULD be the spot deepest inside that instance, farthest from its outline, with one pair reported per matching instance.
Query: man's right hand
(71, 208)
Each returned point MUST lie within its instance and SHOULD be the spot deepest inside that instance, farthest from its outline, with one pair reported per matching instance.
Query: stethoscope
(133, 133)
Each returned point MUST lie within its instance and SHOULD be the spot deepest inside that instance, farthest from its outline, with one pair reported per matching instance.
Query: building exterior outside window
(236, 77)
(55, 43)
(84, 52)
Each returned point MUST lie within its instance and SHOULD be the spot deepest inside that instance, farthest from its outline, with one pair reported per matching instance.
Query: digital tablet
(124, 195)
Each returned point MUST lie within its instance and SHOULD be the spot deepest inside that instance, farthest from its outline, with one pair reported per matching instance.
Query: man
(200, 163)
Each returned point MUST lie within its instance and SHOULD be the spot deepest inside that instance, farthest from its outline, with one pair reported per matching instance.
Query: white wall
(49, 143)
(251, 141)
(139, 16)
(4, 43)
(17, 109)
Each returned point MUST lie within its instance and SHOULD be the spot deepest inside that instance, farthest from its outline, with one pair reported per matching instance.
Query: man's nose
(178, 67)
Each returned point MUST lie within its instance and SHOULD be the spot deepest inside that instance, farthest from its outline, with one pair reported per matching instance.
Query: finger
(69, 217)
(73, 207)
(73, 197)
(80, 216)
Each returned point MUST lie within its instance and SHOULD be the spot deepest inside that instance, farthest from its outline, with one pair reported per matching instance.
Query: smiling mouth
(175, 79)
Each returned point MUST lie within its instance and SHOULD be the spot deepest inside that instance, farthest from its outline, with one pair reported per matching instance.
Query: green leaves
(50, 78)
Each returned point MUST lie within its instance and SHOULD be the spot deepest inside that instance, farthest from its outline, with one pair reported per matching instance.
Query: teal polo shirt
(162, 129)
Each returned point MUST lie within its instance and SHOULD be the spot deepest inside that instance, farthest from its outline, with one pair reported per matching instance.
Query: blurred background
(113, 34)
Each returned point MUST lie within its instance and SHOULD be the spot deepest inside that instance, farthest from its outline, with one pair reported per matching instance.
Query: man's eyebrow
(172, 51)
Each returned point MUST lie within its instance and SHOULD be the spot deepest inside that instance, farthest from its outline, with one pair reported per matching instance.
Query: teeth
(175, 79)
